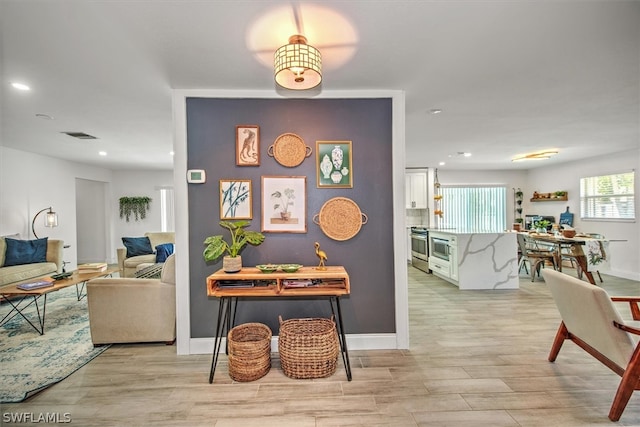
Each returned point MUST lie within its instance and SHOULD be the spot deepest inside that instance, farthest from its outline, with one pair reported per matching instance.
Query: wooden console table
(306, 283)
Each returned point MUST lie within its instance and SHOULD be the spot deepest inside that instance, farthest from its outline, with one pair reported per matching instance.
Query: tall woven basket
(249, 351)
(308, 347)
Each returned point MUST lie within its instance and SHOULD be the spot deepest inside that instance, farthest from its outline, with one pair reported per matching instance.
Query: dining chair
(536, 257)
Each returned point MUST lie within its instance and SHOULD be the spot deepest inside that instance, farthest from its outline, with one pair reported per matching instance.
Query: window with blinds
(477, 208)
(608, 197)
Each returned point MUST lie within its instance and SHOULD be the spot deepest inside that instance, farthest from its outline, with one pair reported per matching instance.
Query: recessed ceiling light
(20, 86)
(441, 164)
(102, 153)
(435, 111)
(171, 153)
(44, 116)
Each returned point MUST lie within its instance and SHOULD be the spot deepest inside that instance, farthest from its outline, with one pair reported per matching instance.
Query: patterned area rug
(30, 362)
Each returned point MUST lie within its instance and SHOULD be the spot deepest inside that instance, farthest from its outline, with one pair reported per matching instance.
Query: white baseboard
(354, 342)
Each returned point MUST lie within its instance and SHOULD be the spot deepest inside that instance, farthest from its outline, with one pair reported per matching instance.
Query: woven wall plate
(289, 150)
(340, 218)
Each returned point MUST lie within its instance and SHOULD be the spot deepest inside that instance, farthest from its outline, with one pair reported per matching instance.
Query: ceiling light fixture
(297, 65)
(20, 86)
(435, 111)
(540, 155)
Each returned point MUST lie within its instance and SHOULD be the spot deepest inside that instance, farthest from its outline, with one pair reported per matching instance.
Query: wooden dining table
(575, 246)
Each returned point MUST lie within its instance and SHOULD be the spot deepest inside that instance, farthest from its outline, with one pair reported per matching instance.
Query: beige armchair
(593, 323)
(133, 310)
(128, 266)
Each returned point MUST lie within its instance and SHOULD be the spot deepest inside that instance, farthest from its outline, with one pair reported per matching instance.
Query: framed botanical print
(334, 166)
(247, 145)
(235, 199)
(284, 204)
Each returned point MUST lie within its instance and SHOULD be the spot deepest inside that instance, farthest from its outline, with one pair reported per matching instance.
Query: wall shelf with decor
(558, 196)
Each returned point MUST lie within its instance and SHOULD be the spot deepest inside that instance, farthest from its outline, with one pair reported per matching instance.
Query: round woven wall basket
(340, 218)
(308, 347)
(249, 351)
(289, 150)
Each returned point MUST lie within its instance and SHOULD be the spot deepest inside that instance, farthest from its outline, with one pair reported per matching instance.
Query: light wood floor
(477, 358)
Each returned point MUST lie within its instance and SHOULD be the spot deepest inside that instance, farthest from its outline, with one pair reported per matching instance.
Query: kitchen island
(474, 259)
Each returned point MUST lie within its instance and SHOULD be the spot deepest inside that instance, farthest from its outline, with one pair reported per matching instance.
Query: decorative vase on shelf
(325, 166)
(337, 156)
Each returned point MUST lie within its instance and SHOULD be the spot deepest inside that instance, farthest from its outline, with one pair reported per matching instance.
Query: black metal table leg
(17, 310)
(222, 320)
(341, 337)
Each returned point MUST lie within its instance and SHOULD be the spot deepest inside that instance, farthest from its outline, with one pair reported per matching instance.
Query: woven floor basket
(249, 351)
(308, 347)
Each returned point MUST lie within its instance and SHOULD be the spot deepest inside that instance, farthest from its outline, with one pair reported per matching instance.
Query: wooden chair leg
(599, 276)
(561, 336)
(628, 384)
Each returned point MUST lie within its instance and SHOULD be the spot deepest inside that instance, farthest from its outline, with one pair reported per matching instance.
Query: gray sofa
(17, 273)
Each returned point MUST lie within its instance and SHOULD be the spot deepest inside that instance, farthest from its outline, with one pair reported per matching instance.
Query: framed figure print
(284, 204)
(235, 199)
(334, 166)
(247, 145)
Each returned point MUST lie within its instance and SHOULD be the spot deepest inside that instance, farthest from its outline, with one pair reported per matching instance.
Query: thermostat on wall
(196, 176)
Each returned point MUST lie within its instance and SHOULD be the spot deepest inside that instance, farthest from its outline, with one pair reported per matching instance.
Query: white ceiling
(510, 76)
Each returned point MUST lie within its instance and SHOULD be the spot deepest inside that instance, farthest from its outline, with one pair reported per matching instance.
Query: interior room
(169, 104)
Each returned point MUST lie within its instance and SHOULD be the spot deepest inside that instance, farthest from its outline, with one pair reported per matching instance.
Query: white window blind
(608, 197)
(476, 208)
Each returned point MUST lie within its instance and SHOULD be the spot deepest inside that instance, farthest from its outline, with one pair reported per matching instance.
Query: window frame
(586, 198)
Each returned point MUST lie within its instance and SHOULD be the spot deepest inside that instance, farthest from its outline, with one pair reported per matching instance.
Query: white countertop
(464, 231)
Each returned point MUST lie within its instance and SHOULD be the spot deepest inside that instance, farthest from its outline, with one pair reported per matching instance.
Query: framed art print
(235, 199)
(334, 166)
(247, 145)
(284, 204)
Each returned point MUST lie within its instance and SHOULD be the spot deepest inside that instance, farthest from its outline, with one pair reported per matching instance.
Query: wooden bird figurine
(322, 255)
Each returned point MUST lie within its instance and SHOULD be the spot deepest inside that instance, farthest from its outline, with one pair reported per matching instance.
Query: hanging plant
(137, 206)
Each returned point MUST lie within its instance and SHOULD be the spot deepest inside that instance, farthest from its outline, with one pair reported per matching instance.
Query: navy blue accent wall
(368, 257)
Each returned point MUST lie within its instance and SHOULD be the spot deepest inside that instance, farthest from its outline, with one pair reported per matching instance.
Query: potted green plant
(541, 225)
(217, 246)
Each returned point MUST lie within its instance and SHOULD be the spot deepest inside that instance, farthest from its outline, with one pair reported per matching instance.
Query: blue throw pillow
(25, 251)
(163, 251)
(137, 246)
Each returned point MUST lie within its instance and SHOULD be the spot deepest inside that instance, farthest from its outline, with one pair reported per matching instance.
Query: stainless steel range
(420, 248)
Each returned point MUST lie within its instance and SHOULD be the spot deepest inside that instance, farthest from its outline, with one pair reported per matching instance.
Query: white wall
(138, 184)
(624, 255)
(31, 182)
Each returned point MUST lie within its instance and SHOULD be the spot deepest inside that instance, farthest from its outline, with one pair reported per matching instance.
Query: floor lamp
(50, 220)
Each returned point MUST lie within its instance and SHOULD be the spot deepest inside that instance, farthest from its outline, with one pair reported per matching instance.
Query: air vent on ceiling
(80, 135)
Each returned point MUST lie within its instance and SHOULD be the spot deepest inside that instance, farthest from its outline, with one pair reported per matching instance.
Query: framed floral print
(284, 204)
(235, 199)
(247, 145)
(334, 166)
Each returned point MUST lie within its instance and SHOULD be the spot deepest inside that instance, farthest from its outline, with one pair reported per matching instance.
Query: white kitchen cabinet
(416, 190)
(439, 266)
